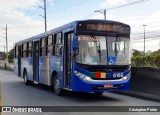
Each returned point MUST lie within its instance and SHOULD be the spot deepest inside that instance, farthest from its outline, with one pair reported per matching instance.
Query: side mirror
(75, 43)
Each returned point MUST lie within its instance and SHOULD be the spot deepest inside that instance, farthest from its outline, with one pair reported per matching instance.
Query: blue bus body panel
(16, 66)
(56, 64)
(42, 70)
(85, 86)
(27, 63)
(46, 66)
(49, 64)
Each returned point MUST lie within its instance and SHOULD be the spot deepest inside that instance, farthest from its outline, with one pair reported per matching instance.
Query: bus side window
(29, 49)
(58, 43)
(46, 46)
(49, 46)
(24, 50)
(42, 47)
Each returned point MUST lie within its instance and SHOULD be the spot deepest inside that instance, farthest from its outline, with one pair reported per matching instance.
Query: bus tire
(26, 81)
(56, 85)
(98, 93)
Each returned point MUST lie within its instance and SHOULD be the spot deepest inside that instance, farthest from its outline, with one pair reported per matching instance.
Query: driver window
(86, 56)
(118, 47)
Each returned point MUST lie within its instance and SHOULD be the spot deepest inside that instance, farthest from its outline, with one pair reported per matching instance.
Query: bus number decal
(117, 75)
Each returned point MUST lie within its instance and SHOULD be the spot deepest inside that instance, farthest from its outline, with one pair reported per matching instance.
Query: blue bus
(84, 56)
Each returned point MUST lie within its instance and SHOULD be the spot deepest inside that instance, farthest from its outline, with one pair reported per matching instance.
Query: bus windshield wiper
(99, 51)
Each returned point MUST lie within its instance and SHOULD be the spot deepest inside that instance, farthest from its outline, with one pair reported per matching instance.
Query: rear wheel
(56, 84)
(26, 81)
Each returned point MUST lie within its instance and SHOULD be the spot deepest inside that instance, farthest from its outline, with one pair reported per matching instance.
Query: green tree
(11, 56)
(136, 53)
(152, 60)
(156, 53)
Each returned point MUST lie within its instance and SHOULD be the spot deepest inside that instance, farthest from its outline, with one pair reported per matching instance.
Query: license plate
(108, 86)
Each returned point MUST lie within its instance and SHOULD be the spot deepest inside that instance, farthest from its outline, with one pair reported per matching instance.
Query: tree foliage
(136, 53)
(152, 60)
(11, 56)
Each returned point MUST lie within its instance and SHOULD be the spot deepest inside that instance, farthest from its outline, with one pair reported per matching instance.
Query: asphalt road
(15, 93)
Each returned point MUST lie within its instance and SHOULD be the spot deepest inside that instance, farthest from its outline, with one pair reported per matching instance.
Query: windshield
(101, 50)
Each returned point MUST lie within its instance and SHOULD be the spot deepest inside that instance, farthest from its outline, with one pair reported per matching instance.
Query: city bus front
(102, 57)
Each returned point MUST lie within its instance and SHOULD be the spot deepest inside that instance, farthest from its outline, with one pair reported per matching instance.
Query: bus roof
(69, 25)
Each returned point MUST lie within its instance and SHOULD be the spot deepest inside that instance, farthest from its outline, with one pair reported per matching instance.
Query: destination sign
(101, 27)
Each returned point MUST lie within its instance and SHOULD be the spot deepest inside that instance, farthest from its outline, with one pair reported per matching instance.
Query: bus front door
(67, 65)
(36, 61)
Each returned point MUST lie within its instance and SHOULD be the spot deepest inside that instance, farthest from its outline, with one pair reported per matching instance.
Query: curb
(141, 95)
(11, 70)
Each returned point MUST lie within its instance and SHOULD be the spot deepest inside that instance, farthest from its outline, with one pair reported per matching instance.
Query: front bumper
(93, 86)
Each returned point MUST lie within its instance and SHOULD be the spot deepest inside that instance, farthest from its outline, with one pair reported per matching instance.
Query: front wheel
(26, 79)
(56, 84)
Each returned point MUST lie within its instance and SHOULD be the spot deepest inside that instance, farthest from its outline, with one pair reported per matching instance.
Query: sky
(23, 20)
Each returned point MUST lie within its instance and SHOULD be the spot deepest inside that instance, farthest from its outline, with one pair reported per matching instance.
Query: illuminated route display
(104, 27)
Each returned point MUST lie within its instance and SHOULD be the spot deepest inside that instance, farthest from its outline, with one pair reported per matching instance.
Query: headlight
(126, 77)
(82, 76)
(87, 78)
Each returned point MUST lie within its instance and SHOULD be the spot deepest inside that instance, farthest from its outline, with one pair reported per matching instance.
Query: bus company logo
(21, 109)
(6, 109)
(117, 75)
